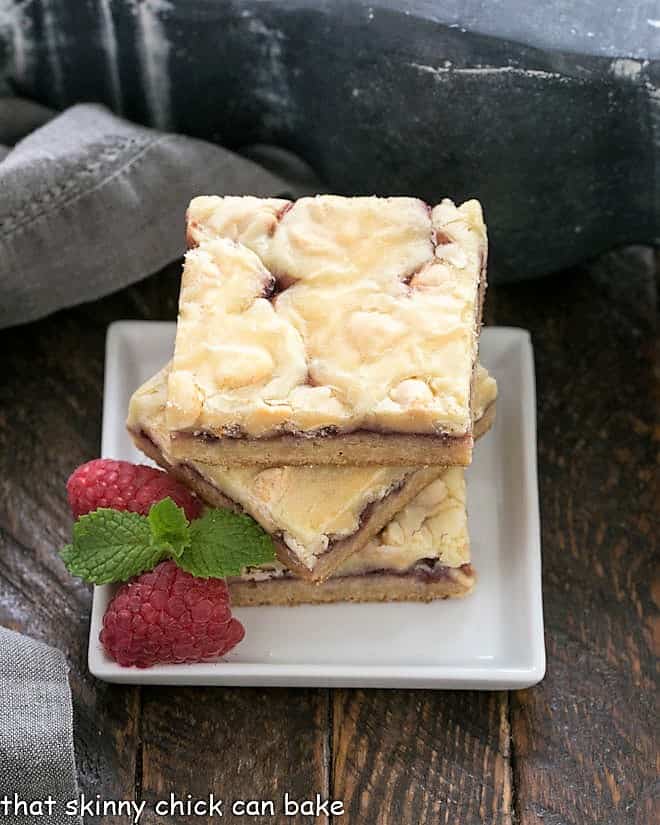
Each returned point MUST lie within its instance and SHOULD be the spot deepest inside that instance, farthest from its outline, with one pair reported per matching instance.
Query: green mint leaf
(223, 543)
(169, 527)
(111, 546)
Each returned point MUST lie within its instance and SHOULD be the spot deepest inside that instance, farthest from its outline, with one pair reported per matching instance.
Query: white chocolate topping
(350, 313)
(247, 220)
(485, 392)
(432, 526)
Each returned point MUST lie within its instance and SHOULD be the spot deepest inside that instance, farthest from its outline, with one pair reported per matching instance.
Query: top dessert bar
(329, 330)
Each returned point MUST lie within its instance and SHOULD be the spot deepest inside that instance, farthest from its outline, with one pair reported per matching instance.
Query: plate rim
(493, 677)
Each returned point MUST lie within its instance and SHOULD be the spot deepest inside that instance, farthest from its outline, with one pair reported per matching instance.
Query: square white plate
(493, 639)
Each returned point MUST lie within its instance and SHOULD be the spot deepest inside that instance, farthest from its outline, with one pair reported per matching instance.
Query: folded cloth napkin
(36, 739)
(91, 202)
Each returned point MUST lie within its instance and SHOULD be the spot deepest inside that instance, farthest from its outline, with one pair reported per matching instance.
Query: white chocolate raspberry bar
(422, 554)
(318, 516)
(329, 330)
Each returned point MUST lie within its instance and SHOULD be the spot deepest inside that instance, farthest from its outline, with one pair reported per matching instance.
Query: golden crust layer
(356, 449)
(382, 587)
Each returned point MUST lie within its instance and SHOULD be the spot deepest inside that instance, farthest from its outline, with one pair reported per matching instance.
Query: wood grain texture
(578, 749)
(50, 421)
(586, 739)
(50, 400)
(243, 744)
(410, 757)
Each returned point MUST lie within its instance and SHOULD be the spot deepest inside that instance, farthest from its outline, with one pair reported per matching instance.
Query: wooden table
(577, 749)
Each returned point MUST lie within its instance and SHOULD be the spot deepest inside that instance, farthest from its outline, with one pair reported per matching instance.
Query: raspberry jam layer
(429, 570)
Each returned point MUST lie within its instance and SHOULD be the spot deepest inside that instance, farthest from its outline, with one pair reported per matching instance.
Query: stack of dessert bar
(325, 381)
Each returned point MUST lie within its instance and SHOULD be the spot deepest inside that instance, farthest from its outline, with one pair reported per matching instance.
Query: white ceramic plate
(493, 639)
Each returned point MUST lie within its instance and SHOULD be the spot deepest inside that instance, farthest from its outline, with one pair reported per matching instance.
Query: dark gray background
(548, 112)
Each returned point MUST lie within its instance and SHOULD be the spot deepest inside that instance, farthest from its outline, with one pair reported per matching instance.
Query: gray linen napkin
(90, 203)
(36, 742)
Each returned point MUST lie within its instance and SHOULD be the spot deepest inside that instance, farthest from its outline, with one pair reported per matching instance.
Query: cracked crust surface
(329, 330)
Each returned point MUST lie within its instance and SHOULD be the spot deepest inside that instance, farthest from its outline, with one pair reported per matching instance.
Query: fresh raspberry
(167, 616)
(125, 486)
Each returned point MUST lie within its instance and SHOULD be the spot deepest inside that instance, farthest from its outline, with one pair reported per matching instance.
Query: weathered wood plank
(50, 421)
(242, 744)
(582, 743)
(585, 740)
(411, 757)
(50, 402)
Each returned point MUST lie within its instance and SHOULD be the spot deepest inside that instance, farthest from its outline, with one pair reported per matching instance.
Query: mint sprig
(219, 542)
(112, 545)
(169, 527)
